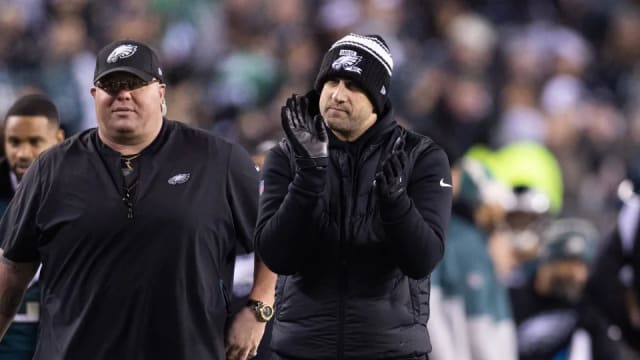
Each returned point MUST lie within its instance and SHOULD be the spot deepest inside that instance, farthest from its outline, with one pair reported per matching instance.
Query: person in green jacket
(471, 314)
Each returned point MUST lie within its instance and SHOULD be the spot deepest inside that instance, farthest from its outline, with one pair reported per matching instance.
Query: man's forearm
(288, 210)
(417, 247)
(9, 303)
(14, 279)
(264, 283)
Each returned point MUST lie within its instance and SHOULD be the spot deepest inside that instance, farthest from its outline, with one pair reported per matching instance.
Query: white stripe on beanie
(371, 45)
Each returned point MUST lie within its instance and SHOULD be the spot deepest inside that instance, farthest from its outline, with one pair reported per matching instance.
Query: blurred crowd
(476, 74)
(561, 72)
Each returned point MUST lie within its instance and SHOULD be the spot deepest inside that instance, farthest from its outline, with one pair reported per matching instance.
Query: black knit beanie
(363, 59)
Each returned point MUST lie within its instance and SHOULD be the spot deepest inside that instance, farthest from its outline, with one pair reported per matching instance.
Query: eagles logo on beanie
(363, 59)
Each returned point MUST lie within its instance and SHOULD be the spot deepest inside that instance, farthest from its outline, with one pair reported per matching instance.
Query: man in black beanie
(352, 216)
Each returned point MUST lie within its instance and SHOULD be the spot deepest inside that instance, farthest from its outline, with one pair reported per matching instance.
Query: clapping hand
(391, 179)
(306, 133)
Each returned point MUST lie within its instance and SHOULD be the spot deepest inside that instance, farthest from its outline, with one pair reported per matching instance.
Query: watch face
(267, 312)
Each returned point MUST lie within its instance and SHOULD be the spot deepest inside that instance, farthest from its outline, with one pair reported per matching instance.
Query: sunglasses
(114, 86)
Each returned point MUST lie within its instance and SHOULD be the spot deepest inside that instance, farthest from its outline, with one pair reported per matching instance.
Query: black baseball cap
(129, 56)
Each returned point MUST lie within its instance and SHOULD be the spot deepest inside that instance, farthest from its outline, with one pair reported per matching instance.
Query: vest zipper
(346, 188)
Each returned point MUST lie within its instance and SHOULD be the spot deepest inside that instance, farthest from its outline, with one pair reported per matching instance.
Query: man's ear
(60, 135)
(93, 91)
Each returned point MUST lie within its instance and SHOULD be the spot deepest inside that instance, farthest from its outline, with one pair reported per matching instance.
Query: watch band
(252, 302)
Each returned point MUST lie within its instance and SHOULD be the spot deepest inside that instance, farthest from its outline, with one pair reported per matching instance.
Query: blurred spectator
(472, 40)
(30, 127)
(553, 319)
(69, 68)
(462, 115)
(620, 51)
(520, 119)
(534, 179)
(470, 309)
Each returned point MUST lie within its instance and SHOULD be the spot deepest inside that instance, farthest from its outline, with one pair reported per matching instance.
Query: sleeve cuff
(391, 212)
(303, 163)
(310, 180)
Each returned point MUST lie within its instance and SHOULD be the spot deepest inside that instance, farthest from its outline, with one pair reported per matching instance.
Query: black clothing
(354, 273)
(153, 285)
(454, 133)
(560, 320)
(280, 357)
(19, 341)
(6, 188)
(616, 275)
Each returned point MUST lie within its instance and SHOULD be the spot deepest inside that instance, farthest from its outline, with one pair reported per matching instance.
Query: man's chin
(125, 130)
(337, 114)
(19, 174)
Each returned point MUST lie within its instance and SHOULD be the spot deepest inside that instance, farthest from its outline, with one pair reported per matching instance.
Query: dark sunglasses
(114, 86)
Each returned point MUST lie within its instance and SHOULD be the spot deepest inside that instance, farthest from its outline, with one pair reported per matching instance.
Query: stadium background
(562, 73)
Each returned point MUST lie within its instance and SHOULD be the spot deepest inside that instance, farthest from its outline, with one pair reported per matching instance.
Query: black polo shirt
(152, 283)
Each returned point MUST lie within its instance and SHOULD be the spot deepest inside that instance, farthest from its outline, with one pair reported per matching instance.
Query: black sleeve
(242, 182)
(597, 326)
(416, 225)
(604, 288)
(286, 211)
(18, 228)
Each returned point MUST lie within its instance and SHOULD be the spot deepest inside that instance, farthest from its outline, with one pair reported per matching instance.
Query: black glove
(391, 181)
(306, 133)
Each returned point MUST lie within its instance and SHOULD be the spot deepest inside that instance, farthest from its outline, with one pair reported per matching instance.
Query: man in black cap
(352, 216)
(136, 224)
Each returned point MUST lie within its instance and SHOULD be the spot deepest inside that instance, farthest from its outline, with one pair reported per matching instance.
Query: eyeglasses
(114, 86)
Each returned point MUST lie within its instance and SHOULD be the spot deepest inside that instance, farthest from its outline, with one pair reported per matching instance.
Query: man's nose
(25, 151)
(339, 92)
(123, 93)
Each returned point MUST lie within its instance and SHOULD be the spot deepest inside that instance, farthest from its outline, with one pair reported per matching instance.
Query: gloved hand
(306, 133)
(391, 181)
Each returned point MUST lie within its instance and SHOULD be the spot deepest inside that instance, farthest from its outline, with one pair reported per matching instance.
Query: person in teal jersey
(471, 314)
(30, 127)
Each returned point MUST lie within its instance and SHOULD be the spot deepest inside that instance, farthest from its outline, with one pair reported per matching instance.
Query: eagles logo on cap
(121, 52)
(128, 56)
